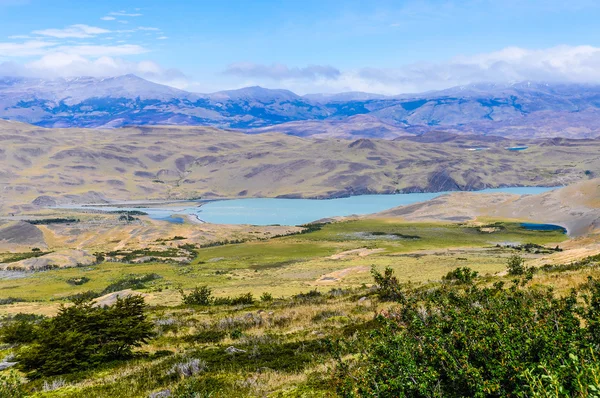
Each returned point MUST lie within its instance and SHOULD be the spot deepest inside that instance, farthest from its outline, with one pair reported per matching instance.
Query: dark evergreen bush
(82, 336)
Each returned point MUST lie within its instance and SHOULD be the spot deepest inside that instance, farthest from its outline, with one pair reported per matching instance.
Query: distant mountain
(352, 127)
(341, 97)
(520, 110)
(130, 100)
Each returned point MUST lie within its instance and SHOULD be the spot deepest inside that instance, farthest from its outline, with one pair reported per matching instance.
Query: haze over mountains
(521, 110)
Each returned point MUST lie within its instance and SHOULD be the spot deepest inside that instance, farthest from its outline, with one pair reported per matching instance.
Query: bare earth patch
(362, 252)
(336, 276)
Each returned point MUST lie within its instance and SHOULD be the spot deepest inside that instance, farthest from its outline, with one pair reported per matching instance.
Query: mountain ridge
(515, 110)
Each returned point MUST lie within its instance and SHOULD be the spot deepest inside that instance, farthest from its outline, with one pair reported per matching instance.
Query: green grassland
(288, 265)
(285, 341)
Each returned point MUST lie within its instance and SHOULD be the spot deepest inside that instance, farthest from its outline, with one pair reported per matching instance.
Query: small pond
(543, 227)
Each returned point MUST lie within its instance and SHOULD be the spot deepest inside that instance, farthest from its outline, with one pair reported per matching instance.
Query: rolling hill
(41, 167)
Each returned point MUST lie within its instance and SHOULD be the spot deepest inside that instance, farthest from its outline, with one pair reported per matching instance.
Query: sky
(308, 46)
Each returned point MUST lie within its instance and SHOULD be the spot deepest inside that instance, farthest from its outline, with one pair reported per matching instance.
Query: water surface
(543, 227)
(269, 211)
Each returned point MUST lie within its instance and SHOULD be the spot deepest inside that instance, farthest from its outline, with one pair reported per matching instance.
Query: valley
(279, 199)
(92, 220)
(49, 167)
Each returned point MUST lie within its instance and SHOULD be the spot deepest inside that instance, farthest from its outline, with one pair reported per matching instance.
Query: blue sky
(306, 46)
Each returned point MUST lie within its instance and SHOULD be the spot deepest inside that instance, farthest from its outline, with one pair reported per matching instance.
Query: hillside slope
(576, 207)
(42, 167)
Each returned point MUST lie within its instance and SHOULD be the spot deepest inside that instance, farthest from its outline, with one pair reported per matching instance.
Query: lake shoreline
(287, 211)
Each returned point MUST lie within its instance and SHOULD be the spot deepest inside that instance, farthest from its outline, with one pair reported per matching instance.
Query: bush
(11, 386)
(466, 341)
(78, 281)
(199, 296)
(130, 282)
(83, 336)
(11, 300)
(311, 295)
(463, 275)
(516, 265)
(541, 382)
(207, 336)
(266, 297)
(388, 287)
(246, 298)
(18, 332)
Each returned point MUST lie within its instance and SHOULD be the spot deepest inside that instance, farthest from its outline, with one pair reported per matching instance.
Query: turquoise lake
(268, 211)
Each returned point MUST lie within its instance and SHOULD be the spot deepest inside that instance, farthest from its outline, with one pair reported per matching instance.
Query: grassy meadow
(289, 265)
(318, 287)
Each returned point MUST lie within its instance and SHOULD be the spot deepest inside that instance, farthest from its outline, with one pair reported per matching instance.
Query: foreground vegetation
(229, 323)
(463, 336)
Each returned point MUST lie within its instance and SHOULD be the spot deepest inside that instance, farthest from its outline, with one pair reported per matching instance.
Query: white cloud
(557, 64)
(79, 31)
(162, 38)
(25, 49)
(282, 72)
(577, 64)
(125, 14)
(103, 50)
(40, 47)
(77, 50)
(60, 64)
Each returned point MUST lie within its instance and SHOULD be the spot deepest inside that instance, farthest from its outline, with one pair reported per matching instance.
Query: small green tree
(199, 296)
(387, 284)
(516, 265)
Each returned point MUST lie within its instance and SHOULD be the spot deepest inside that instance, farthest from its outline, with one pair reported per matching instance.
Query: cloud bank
(84, 50)
(51, 55)
(579, 64)
(282, 72)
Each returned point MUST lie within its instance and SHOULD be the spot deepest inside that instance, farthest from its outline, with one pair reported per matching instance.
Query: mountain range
(519, 110)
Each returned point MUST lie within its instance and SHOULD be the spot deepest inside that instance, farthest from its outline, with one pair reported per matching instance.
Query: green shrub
(311, 295)
(130, 282)
(542, 381)
(199, 296)
(516, 265)
(18, 332)
(83, 296)
(467, 341)
(83, 336)
(11, 300)
(266, 297)
(246, 298)
(388, 287)
(207, 336)
(463, 275)
(78, 281)
(11, 385)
